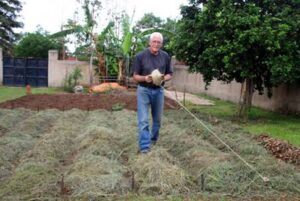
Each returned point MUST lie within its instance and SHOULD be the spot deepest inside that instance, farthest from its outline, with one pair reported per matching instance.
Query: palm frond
(106, 30)
(75, 29)
(127, 43)
(88, 16)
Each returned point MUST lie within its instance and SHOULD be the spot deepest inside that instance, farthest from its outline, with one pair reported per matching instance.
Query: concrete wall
(1, 67)
(59, 69)
(285, 98)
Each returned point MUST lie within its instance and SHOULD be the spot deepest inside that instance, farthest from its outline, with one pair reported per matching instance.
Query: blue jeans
(149, 98)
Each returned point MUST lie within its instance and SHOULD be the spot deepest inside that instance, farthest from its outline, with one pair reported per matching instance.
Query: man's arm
(142, 78)
(167, 77)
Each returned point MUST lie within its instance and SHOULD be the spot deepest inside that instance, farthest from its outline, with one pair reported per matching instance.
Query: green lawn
(9, 93)
(284, 127)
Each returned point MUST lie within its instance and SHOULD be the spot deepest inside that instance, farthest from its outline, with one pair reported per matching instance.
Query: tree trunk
(101, 64)
(100, 56)
(246, 99)
(120, 73)
(91, 69)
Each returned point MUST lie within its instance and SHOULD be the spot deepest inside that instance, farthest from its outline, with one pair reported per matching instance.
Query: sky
(51, 14)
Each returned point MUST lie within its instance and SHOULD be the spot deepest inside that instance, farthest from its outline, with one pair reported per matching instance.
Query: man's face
(155, 44)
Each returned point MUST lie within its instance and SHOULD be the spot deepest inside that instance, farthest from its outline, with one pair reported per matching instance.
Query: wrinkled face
(155, 44)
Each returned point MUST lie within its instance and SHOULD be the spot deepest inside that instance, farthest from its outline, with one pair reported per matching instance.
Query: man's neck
(153, 52)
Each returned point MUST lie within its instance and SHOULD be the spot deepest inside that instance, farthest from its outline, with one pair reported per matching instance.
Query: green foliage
(36, 45)
(126, 45)
(150, 23)
(82, 53)
(149, 20)
(116, 48)
(8, 21)
(237, 40)
(71, 28)
(72, 79)
(256, 43)
(118, 107)
(112, 65)
(105, 37)
(230, 40)
(85, 32)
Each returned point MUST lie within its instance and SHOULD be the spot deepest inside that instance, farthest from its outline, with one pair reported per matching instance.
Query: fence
(40, 72)
(55, 73)
(286, 98)
(59, 69)
(23, 71)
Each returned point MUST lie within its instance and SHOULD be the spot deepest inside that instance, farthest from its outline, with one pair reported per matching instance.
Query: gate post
(1, 67)
(52, 63)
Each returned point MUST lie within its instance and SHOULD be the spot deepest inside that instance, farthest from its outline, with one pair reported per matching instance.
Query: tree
(36, 45)
(121, 44)
(9, 10)
(169, 27)
(86, 33)
(253, 42)
(124, 46)
(150, 23)
(149, 20)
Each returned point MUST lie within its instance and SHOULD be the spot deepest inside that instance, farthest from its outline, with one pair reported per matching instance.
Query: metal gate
(24, 71)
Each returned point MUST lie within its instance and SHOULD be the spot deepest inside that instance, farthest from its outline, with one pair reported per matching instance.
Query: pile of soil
(88, 102)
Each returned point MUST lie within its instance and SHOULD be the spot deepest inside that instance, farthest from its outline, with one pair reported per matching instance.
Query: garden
(84, 147)
(57, 145)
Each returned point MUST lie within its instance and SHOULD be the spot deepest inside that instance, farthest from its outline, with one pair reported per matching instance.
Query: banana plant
(125, 46)
(132, 39)
(86, 32)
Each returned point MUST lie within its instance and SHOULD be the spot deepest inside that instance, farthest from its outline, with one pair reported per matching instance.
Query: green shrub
(72, 79)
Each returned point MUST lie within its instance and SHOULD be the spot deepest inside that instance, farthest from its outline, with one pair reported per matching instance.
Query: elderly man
(152, 67)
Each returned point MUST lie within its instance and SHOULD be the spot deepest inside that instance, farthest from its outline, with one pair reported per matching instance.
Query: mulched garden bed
(67, 101)
(119, 99)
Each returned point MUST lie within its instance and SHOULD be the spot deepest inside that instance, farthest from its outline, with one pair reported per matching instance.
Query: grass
(9, 93)
(95, 153)
(280, 126)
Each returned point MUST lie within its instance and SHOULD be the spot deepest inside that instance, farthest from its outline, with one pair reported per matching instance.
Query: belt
(151, 86)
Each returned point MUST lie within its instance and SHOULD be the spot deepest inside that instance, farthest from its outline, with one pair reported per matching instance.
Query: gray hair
(156, 34)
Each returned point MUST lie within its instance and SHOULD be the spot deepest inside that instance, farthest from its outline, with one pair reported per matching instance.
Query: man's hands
(148, 78)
